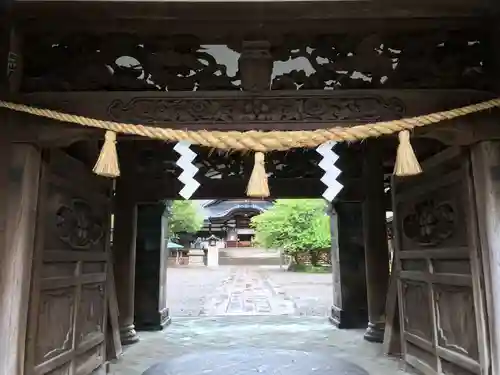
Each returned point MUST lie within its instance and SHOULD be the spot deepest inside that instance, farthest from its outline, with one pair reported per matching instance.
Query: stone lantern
(212, 240)
(213, 252)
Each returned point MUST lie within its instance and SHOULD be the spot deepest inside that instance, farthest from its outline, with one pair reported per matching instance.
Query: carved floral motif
(78, 226)
(430, 223)
(124, 62)
(317, 109)
(181, 63)
(423, 60)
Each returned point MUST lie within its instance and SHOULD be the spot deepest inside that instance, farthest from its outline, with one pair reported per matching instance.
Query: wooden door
(67, 316)
(440, 276)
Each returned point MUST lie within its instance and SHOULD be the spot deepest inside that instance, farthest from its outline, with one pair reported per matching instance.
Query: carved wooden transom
(270, 109)
(423, 60)
(125, 62)
(182, 63)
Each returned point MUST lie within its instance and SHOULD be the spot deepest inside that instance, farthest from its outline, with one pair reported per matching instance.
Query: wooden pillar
(349, 308)
(5, 35)
(19, 178)
(151, 312)
(485, 157)
(376, 246)
(124, 250)
(486, 180)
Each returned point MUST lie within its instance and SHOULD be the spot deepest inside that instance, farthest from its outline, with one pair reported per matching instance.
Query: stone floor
(314, 345)
(252, 360)
(248, 320)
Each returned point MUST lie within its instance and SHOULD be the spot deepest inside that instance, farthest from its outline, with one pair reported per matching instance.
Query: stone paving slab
(252, 291)
(277, 318)
(243, 361)
(200, 291)
(247, 292)
(190, 336)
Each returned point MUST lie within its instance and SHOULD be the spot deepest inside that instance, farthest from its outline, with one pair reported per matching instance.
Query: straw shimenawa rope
(259, 141)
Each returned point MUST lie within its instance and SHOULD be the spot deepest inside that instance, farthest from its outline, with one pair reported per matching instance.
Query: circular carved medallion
(430, 223)
(78, 226)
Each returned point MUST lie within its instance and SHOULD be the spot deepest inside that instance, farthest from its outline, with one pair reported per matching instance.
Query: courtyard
(245, 290)
(245, 320)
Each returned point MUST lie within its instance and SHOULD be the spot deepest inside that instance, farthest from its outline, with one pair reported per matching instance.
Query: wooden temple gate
(256, 66)
(440, 268)
(68, 301)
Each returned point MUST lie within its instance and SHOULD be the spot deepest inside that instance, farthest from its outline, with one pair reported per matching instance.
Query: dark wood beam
(45, 133)
(465, 130)
(258, 11)
(87, 151)
(195, 110)
(215, 31)
(151, 190)
(211, 20)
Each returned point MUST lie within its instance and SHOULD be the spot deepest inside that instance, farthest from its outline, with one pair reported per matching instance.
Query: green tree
(185, 217)
(295, 225)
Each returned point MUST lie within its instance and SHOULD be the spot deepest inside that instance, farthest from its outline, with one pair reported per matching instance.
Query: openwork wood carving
(159, 159)
(78, 226)
(423, 60)
(430, 223)
(273, 109)
(181, 63)
(125, 62)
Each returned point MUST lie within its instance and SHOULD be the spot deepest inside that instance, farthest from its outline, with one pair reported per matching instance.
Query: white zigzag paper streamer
(185, 162)
(333, 187)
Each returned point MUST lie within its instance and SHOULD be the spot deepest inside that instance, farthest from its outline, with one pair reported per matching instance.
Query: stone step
(248, 253)
(253, 261)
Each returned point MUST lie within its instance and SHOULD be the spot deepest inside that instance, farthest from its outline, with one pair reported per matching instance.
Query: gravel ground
(189, 288)
(311, 293)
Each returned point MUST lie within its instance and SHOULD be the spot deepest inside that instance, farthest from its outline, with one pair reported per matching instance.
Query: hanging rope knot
(406, 161)
(258, 186)
(259, 158)
(107, 164)
(110, 136)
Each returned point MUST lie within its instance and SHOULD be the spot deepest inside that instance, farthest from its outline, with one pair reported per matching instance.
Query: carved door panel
(68, 297)
(441, 303)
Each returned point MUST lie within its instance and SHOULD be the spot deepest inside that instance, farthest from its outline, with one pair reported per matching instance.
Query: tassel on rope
(406, 161)
(107, 164)
(258, 186)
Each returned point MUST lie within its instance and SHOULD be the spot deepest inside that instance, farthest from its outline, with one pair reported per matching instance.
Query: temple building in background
(229, 220)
